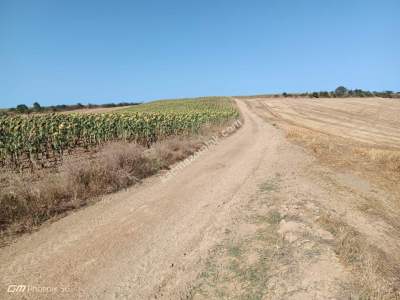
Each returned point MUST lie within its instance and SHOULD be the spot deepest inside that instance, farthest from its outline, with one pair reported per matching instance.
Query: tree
(315, 95)
(22, 108)
(323, 94)
(341, 91)
(388, 94)
(359, 93)
(36, 107)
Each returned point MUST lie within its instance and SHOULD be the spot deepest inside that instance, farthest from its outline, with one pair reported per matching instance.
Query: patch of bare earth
(275, 247)
(275, 250)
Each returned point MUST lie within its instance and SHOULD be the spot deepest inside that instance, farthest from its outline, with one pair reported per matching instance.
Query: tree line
(343, 92)
(37, 108)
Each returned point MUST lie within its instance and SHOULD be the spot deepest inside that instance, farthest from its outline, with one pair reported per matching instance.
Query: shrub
(341, 91)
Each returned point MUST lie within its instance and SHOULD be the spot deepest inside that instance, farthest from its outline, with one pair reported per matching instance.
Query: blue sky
(98, 51)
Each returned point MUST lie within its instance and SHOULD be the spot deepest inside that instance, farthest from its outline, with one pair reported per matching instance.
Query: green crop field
(203, 104)
(27, 140)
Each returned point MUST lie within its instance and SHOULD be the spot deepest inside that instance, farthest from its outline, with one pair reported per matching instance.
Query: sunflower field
(33, 139)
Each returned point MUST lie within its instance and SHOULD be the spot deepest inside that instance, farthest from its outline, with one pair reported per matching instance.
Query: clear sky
(98, 51)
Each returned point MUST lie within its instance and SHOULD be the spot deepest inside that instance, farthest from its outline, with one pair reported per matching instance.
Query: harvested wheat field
(357, 133)
(301, 202)
(374, 121)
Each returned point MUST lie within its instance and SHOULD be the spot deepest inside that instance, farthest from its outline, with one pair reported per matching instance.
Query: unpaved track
(155, 240)
(147, 237)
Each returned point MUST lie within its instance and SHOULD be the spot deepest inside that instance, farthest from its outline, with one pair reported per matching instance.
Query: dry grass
(27, 200)
(389, 159)
(379, 166)
(174, 149)
(374, 274)
(337, 151)
(294, 132)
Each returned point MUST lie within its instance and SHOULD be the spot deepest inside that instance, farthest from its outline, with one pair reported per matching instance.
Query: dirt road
(248, 219)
